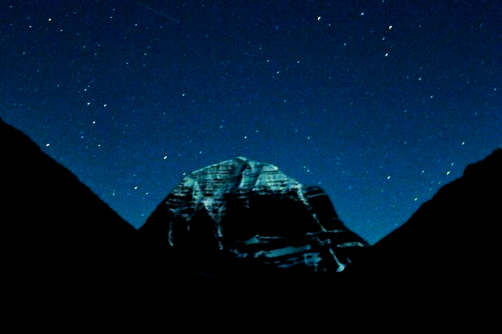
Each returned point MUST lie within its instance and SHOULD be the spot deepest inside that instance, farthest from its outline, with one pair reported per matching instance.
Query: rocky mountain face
(245, 214)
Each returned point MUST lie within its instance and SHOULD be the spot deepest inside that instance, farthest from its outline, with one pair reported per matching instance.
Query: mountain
(246, 223)
(242, 217)
(55, 230)
(449, 250)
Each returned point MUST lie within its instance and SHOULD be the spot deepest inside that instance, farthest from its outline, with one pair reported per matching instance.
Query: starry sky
(379, 102)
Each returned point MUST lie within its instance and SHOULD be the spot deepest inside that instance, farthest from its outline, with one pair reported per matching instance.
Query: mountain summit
(249, 213)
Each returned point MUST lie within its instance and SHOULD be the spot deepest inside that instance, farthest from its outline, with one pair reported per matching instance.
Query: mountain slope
(52, 224)
(448, 249)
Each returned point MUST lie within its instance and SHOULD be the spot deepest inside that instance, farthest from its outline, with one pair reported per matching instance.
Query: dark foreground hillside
(54, 228)
(448, 251)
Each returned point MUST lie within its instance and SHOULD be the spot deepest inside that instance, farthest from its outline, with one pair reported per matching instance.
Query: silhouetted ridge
(53, 226)
(449, 248)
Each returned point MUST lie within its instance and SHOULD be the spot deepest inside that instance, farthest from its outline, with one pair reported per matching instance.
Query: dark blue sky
(378, 102)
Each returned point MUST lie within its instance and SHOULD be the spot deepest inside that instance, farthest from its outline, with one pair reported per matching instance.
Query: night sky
(381, 103)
